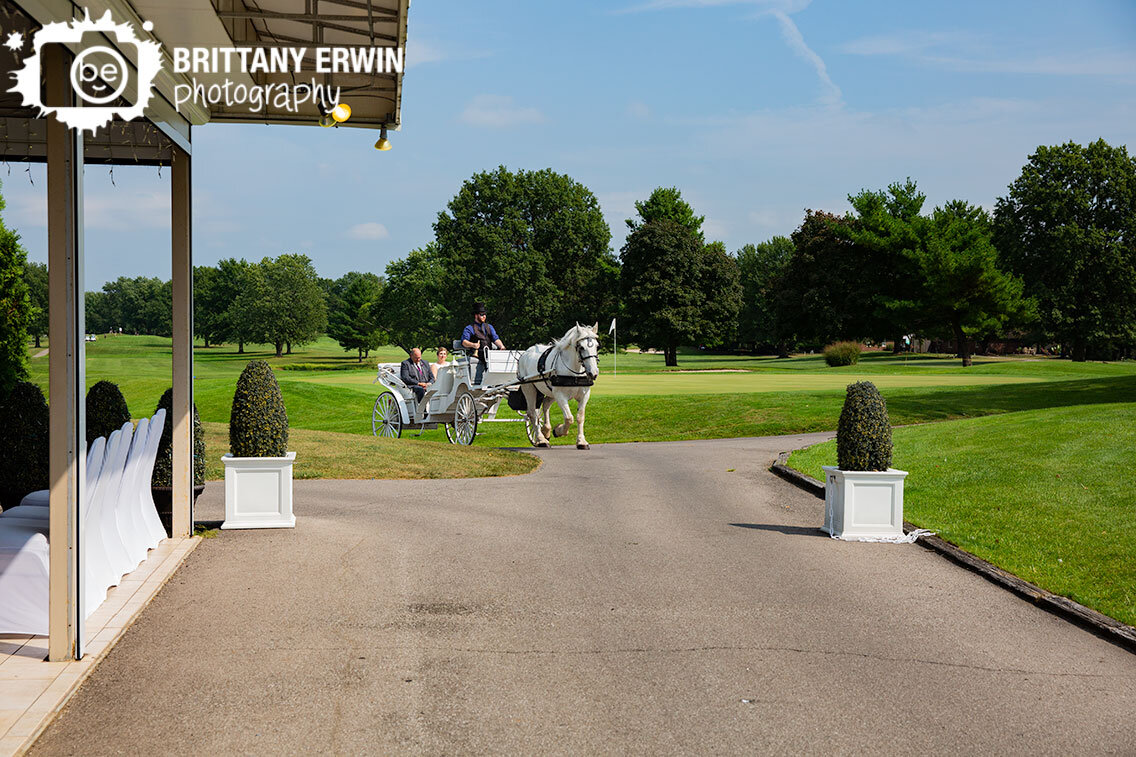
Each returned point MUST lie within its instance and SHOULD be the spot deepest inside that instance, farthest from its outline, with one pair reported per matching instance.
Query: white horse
(562, 371)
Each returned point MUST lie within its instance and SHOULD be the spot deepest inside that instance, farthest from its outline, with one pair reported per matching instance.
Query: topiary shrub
(863, 436)
(164, 466)
(106, 410)
(258, 425)
(842, 353)
(23, 443)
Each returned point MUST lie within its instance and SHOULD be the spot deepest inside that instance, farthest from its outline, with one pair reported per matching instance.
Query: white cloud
(499, 111)
(796, 42)
(419, 51)
(368, 230)
(713, 229)
(963, 52)
(638, 109)
(778, 9)
(784, 6)
(620, 203)
(111, 210)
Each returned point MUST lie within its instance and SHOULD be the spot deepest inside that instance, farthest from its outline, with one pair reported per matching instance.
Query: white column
(67, 374)
(182, 260)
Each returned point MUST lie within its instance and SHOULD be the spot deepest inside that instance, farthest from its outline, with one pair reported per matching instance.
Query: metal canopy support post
(182, 260)
(67, 374)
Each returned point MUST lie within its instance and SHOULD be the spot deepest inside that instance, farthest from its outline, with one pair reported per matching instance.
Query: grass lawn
(1044, 494)
(771, 397)
(324, 454)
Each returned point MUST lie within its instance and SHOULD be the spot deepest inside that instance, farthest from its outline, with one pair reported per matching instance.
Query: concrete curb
(1108, 628)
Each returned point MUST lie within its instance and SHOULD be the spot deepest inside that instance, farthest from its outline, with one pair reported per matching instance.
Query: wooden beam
(182, 265)
(66, 371)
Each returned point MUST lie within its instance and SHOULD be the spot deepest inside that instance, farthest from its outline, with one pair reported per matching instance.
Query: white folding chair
(145, 503)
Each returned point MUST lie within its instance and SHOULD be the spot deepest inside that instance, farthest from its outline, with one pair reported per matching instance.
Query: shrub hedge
(106, 410)
(863, 435)
(23, 443)
(164, 465)
(258, 424)
(842, 353)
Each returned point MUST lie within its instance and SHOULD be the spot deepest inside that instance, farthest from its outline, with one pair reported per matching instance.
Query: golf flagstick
(614, 347)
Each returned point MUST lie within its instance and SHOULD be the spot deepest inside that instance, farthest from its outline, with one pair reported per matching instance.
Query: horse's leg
(581, 403)
(546, 422)
(533, 400)
(562, 400)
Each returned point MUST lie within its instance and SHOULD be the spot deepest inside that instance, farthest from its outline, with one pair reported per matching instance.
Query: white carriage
(454, 401)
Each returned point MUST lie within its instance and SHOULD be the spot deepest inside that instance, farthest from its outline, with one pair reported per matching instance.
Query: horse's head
(584, 341)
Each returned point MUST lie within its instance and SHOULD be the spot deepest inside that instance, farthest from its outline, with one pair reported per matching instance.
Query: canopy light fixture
(383, 144)
(341, 112)
(326, 120)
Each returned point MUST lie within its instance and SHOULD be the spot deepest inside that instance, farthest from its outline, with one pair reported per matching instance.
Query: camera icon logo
(112, 72)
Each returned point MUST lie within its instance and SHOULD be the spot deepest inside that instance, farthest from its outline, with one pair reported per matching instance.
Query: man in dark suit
(416, 374)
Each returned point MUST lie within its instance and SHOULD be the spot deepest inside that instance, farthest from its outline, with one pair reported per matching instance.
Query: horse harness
(575, 378)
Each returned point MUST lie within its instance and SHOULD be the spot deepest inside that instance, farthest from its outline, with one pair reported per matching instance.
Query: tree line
(1054, 264)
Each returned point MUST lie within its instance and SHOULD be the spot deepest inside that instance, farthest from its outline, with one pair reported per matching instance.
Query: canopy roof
(375, 98)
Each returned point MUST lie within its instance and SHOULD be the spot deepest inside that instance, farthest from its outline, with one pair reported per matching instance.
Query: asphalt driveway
(637, 598)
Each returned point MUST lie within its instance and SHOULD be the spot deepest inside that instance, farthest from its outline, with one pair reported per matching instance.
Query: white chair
(126, 516)
(144, 503)
(102, 550)
(103, 523)
(24, 560)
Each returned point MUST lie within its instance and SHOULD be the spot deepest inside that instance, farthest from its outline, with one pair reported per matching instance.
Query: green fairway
(771, 397)
(714, 383)
(1044, 494)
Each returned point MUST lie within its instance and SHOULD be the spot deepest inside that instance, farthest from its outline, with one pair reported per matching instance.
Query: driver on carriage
(479, 336)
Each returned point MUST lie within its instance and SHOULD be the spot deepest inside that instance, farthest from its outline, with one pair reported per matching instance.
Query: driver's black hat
(479, 308)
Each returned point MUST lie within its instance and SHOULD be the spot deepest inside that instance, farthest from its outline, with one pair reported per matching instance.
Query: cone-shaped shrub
(23, 443)
(106, 410)
(164, 465)
(258, 425)
(863, 436)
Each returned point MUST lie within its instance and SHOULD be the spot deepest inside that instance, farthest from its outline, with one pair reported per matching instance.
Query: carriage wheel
(531, 429)
(451, 432)
(386, 420)
(465, 419)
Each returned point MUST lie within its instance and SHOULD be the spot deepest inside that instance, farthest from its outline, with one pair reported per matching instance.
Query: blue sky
(755, 110)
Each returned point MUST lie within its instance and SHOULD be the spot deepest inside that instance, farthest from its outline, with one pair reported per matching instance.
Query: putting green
(714, 383)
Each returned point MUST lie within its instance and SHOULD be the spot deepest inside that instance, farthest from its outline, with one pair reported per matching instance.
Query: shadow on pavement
(790, 530)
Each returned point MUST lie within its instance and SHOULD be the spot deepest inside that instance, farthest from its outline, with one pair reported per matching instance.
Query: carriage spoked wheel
(531, 429)
(451, 433)
(465, 419)
(386, 420)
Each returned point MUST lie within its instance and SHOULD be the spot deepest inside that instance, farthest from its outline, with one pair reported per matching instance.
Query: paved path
(639, 598)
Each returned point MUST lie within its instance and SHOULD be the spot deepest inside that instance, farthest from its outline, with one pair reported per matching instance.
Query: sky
(755, 110)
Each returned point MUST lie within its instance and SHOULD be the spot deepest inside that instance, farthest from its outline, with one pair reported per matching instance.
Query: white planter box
(258, 492)
(863, 504)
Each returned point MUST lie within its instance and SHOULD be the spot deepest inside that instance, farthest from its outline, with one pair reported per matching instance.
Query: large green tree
(813, 299)
(959, 287)
(762, 268)
(719, 284)
(413, 312)
(887, 232)
(137, 305)
(659, 281)
(666, 203)
(15, 309)
(1067, 226)
(353, 312)
(35, 274)
(291, 307)
(532, 245)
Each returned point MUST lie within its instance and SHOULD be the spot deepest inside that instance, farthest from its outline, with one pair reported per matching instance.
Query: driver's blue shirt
(467, 335)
